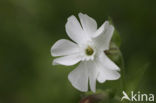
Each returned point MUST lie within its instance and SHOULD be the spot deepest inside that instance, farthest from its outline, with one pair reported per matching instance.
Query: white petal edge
(89, 25)
(103, 36)
(67, 60)
(106, 74)
(79, 77)
(93, 73)
(101, 29)
(64, 47)
(75, 31)
(106, 62)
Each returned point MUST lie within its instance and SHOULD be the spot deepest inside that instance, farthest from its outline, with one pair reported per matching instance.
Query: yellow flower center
(89, 51)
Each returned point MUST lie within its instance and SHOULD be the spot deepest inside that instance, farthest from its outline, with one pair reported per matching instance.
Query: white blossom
(86, 48)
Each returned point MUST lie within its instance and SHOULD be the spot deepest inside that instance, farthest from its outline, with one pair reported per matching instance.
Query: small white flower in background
(88, 49)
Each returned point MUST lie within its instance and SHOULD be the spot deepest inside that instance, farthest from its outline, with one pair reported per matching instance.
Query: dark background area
(28, 29)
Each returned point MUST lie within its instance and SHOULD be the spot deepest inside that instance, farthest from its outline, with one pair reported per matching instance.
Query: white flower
(88, 49)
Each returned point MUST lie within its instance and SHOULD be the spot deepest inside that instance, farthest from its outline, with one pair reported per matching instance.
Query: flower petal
(67, 60)
(75, 31)
(106, 62)
(105, 66)
(79, 77)
(103, 36)
(106, 74)
(93, 73)
(89, 24)
(64, 47)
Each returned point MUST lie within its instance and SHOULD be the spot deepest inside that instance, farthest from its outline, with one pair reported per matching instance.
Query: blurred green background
(28, 29)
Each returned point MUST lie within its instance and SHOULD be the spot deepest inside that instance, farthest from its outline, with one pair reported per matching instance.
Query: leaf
(137, 77)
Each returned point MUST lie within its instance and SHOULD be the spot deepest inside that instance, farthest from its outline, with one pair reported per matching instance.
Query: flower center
(89, 51)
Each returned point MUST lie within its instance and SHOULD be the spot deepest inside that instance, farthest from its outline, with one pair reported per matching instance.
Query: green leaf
(137, 78)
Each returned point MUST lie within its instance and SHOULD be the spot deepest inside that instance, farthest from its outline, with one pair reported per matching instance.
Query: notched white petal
(101, 29)
(103, 36)
(108, 70)
(89, 25)
(79, 77)
(64, 47)
(93, 73)
(106, 62)
(106, 74)
(75, 31)
(67, 60)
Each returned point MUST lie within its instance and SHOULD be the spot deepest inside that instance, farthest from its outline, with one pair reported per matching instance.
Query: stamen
(89, 51)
